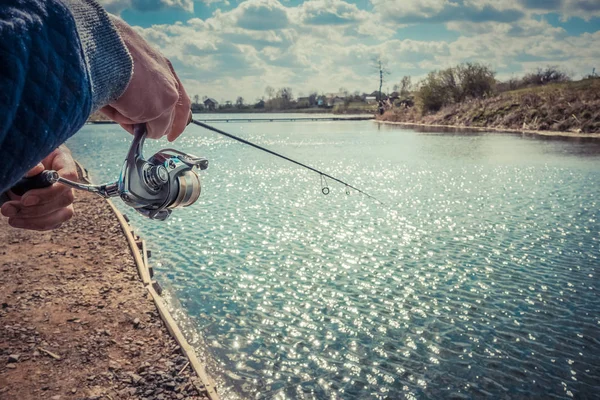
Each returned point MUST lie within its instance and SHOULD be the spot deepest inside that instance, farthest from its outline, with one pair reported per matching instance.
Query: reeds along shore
(561, 107)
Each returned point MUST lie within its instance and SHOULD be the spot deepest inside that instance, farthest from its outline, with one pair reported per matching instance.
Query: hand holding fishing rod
(153, 187)
(167, 180)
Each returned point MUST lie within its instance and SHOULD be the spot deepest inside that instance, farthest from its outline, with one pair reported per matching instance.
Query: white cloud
(261, 15)
(329, 12)
(525, 27)
(117, 6)
(440, 11)
(585, 9)
(314, 47)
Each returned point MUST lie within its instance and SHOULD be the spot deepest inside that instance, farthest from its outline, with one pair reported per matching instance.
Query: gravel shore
(76, 321)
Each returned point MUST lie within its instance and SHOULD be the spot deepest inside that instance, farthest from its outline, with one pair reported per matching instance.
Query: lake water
(478, 278)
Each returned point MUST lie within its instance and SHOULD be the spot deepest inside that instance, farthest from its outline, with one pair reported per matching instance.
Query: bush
(511, 84)
(455, 85)
(543, 76)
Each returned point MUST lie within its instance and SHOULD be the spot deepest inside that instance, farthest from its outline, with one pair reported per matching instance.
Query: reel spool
(165, 181)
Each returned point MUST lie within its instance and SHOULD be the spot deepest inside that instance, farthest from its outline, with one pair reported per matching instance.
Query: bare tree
(196, 99)
(543, 76)
(380, 66)
(269, 92)
(285, 93)
(405, 86)
(239, 103)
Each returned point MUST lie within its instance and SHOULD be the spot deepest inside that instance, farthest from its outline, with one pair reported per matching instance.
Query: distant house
(334, 101)
(260, 104)
(321, 101)
(211, 104)
(303, 102)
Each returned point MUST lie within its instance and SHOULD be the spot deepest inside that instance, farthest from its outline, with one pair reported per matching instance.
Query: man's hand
(44, 209)
(155, 94)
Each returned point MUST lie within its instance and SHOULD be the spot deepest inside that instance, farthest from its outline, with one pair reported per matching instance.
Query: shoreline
(140, 255)
(79, 323)
(438, 127)
(494, 129)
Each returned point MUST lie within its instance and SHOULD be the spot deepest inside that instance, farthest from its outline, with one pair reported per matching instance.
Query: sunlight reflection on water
(478, 279)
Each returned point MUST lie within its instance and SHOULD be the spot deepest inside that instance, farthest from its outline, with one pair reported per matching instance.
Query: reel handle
(42, 180)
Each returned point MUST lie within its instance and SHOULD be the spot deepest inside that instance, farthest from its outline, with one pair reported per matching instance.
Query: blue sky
(225, 49)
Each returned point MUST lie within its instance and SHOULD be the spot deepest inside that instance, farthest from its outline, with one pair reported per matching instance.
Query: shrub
(455, 85)
(543, 76)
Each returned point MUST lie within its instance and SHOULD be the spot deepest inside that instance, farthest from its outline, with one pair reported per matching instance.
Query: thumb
(35, 170)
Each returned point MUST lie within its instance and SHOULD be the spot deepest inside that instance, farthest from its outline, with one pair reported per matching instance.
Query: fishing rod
(155, 186)
(324, 189)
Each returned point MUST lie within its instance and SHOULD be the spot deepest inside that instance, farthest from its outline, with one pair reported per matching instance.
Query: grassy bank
(561, 107)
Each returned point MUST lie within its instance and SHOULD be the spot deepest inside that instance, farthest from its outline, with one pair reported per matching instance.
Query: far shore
(438, 127)
(500, 130)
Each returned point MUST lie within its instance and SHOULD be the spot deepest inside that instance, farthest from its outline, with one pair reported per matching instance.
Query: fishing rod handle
(42, 180)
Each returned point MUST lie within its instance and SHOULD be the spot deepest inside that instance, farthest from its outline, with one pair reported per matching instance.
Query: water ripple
(479, 280)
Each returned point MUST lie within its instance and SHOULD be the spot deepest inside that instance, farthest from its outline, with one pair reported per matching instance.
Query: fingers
(182, 111)
(16, 209)
(162, 125)
(46, 208)
(154, 96)
(35, 170)
(45, 223)
(127, 127)
(44, 197)
(113, 114)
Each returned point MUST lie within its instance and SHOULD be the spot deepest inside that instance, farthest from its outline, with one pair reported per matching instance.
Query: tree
(196, 99)
(455, 85)
(285, 93)
(269, 91)
(476, 80)
(543, 76)
(239, 102)
(405, 86)
(380, 66)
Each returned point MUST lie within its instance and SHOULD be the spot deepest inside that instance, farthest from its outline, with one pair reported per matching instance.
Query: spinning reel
(153, 187)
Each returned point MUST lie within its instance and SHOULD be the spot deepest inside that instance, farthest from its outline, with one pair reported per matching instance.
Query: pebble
(135, 378)
(13, 358)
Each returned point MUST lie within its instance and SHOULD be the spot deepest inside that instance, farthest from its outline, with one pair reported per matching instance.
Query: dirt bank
(571, 107)
(76, 321)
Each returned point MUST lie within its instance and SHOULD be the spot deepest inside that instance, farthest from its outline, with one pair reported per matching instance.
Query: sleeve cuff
(109, 63)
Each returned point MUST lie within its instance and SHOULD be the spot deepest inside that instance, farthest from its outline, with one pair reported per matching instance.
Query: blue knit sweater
(60, 60)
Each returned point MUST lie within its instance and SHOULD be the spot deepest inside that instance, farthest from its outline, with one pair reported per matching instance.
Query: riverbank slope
(563, 107)
(76, 321)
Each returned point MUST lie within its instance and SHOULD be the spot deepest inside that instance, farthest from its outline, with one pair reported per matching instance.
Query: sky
(229, 48)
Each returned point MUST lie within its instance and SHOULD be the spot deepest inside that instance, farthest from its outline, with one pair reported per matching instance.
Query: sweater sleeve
(109, 63)
(59, 60)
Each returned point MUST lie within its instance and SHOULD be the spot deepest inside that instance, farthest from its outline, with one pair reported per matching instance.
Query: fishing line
(324, 187)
